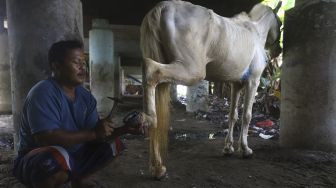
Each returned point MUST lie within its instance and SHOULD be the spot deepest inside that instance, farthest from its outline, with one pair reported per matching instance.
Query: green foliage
(270, 80)
(286, 4)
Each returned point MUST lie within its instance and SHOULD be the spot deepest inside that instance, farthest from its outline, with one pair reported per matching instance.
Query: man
(61, 135)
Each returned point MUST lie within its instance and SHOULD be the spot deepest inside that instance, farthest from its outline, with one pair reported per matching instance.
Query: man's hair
(59, 50)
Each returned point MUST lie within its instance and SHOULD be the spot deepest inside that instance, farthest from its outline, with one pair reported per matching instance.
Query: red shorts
(41, 163)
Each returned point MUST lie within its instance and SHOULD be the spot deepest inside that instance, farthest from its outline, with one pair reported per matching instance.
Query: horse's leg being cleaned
(154, 74)
(174, 72)
(233, 117)
(156, 167)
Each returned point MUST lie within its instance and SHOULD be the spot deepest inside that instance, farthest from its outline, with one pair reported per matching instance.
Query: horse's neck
(263, 26)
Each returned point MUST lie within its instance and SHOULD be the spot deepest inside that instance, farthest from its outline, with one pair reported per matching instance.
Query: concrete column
(102, 66)
(122, 81)
(117, 79)
(197, 97)
(5, 80)
(297, 2)
(308, 95)
(33, 26)
(173, 93)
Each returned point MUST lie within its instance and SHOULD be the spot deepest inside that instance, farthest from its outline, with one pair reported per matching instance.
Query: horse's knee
(152, 71)
(247, 117)
(234, 115)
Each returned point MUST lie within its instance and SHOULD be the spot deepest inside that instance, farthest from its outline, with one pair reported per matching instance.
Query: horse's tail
(151, 48)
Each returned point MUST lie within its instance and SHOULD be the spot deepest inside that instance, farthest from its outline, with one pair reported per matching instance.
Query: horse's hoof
(228, 151)
(159, 173)
(162, 177)
(246, 153)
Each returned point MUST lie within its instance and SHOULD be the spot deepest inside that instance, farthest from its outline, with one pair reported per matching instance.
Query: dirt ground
(195, 160)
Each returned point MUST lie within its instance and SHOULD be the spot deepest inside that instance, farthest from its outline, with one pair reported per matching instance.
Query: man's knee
(41, 166)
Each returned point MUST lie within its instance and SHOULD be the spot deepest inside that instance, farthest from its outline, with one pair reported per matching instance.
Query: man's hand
(104, 129)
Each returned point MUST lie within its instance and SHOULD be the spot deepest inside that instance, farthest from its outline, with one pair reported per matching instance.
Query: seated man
(61, 136)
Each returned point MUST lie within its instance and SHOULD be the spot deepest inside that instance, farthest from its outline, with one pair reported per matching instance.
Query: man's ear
(54, 66)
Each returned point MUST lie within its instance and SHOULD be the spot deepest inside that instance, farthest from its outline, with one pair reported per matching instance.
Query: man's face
(72, 70)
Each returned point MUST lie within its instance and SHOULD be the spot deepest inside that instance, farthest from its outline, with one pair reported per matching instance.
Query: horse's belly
(224, 71)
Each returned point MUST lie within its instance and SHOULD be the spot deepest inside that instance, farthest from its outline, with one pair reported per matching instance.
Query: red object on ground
(264, 124)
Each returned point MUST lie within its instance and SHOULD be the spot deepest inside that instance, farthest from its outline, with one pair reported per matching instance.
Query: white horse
(184, 43)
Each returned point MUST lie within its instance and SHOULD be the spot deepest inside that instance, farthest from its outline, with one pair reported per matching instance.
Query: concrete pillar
(33, 26)
(308, 83)
(127, 42)
(122, 81)
(297, 2)
(117, 79)
(102, 66)
(173, 93)
(5, 80)
(197, 97)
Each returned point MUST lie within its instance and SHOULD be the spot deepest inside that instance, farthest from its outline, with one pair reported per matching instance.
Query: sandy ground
(196, 161)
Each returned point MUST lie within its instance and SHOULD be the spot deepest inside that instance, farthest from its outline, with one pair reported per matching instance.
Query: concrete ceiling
(131, 12)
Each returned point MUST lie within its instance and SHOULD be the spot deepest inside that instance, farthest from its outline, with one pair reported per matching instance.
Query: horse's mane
(258, 11)
(241, 17)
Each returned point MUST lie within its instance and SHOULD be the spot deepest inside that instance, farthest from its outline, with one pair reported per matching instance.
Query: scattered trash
(182, 100)
(264, 124)
(217, 113)
(6, 142)
(264, 136)
(265, 129)
(211, 136)
(198, 135)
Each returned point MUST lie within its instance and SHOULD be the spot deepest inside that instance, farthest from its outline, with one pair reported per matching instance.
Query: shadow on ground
(196, 161)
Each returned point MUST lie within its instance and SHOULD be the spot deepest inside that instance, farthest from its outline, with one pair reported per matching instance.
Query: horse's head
(273, 37)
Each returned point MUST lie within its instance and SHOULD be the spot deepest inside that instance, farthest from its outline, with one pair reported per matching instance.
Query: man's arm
(69, 138)
(64, 138)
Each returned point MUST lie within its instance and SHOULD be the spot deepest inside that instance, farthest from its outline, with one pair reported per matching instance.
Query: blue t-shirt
(48, 108)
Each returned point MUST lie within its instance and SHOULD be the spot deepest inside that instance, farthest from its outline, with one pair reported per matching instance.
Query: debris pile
(262, 125)
(6, 141)
(218, 112)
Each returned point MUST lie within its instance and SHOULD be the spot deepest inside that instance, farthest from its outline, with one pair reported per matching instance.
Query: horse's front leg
(233, 117)
(250, 91)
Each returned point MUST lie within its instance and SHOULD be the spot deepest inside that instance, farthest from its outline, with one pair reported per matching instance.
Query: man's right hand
(104, 129)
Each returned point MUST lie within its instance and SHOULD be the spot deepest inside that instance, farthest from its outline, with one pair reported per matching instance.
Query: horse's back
(183, 29)
(200, 38)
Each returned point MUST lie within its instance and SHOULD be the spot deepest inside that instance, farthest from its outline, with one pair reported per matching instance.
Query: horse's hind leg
(180, 72)
(156, 168)
(154, 74)
(250, 90)
(233, 117)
